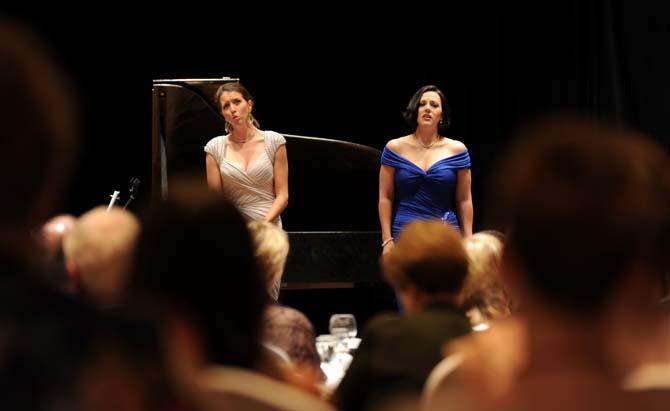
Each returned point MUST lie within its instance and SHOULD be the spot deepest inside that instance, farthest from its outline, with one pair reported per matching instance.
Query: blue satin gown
(423, 194)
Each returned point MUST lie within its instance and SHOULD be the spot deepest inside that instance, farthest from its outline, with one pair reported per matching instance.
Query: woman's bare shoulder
(456, 145)
(397, 144)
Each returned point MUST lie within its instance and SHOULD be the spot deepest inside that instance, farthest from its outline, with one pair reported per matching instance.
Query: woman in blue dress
(424, 175)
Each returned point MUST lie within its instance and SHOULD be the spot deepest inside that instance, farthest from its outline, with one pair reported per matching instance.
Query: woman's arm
(213, 174)
(386, 193)
(464, 201)
(281, 184)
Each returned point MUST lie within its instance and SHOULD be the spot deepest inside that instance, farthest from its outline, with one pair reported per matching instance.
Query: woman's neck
(242, 133)
(426, 135)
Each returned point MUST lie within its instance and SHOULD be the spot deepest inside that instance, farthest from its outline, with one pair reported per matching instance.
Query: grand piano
(331, 219)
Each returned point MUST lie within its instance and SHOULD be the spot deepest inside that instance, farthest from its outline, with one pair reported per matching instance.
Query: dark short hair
(411, 112)
(428, 255)
(195, 258)
(583, 202)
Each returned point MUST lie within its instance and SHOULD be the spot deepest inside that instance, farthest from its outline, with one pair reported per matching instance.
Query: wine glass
(343, 326)
(325, 345)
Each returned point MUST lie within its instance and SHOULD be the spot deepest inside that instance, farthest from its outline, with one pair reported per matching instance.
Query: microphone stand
(133, 188)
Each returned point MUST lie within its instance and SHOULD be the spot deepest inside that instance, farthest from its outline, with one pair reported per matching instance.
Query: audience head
(38, 127)
(584, 203)
(483, 292)
(429, 259)
(195, 264)
(272, 247)
(99, 252)
(53, 232)
(50, 241)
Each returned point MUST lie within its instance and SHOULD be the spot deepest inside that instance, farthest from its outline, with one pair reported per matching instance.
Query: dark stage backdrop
(345, 75)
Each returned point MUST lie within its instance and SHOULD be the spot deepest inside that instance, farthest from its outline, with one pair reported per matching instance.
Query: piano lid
(204, 87)
(217, 81)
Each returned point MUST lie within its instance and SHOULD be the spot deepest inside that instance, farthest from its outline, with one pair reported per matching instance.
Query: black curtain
(344, 75)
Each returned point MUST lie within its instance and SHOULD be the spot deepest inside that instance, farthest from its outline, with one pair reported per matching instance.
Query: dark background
(346, 74)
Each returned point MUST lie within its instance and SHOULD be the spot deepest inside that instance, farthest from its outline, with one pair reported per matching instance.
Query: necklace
(426, 146)
(240, 141)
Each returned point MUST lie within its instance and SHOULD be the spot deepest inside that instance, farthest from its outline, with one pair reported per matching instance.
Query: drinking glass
(343, 326)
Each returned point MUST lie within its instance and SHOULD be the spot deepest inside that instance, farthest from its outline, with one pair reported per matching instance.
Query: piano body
(332, 215)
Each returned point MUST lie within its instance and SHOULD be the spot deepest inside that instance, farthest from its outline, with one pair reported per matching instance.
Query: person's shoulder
(214, 144)
(384, 325)
(217, 140)
(397, 144)
(456, 145)
(382, 321)
(274, 136)
(222, 137)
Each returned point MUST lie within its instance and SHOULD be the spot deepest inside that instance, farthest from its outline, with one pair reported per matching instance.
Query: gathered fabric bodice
(424, 194)
(253, 190)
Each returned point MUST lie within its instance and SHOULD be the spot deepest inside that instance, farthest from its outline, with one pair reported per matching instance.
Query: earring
(228, 127)
(441, 122)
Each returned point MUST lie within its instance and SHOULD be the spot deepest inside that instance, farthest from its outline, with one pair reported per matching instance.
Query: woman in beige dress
(248, 164)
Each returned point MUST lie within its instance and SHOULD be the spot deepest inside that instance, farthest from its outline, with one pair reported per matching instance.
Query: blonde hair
(101, 245)
(483, 289)
(271, 248)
